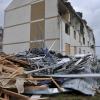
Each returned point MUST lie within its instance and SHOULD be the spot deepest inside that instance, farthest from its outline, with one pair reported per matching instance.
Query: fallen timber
(39, 71)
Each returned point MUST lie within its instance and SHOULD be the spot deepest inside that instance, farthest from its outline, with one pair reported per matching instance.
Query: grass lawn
(73, 97)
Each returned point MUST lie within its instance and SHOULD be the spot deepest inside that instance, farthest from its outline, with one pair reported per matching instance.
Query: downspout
(61, 36)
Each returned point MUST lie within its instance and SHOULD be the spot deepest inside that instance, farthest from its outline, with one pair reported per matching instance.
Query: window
(67, 29)
(81, 29)
(88, 44)
(67, 49)
(83, 40)
(75, 35)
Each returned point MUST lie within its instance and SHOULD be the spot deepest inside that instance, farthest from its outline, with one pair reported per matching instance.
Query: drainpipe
(61, 36)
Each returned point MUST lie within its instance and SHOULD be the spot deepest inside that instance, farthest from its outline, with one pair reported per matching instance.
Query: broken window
(67, 29)
(75, 35)
(81, 29)
(92, 46)
(83, 40)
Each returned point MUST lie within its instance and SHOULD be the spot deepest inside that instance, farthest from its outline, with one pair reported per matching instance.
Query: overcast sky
(90, 9)
(3, 5)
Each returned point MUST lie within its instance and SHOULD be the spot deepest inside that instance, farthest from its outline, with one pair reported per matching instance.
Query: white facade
(17, 27)
(19, 24)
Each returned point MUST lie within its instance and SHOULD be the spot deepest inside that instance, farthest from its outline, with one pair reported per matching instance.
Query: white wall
(52, 28)
(17, 16)
(51, 8)
(15, 48)
(17, 27)
(55, 47)
(52, 25)
(18, 33)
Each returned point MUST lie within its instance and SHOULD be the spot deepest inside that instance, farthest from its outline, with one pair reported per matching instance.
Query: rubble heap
(31, 72)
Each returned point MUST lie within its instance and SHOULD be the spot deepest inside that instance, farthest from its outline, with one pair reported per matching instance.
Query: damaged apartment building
(46, 24)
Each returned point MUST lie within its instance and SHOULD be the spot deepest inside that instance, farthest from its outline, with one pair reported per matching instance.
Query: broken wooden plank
(58, 86)
(5, 57)
(36, 87)
(15, 73)
(6, 69)
(18, 61)
(9, 63)
(37, 79)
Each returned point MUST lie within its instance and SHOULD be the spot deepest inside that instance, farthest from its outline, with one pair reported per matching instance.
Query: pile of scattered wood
(39, 71)
(14, 81)
(12, 70)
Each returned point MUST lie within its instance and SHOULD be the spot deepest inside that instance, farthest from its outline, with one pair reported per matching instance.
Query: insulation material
(37, 30)
(38, 11)
(20, 85)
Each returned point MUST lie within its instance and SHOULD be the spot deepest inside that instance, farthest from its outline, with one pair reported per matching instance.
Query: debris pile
(38, 71)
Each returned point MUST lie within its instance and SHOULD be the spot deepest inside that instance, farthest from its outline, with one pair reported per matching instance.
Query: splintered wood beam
(18, 61)
(11, 63)
(8, 56)
(58, 86)
(14, 74)
(6, 69)
(37, 79)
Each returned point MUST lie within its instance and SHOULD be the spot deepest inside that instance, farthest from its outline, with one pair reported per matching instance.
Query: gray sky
(90, 9)
(3, 5)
